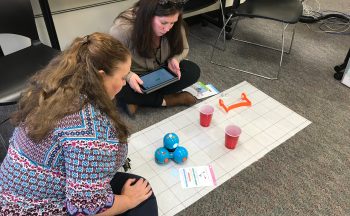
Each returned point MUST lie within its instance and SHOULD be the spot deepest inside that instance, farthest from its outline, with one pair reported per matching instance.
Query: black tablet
(157, 79)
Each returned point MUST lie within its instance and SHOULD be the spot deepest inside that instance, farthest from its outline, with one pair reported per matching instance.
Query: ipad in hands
(157, 79)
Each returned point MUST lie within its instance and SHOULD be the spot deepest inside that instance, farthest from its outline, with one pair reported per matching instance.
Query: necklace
(158, 50)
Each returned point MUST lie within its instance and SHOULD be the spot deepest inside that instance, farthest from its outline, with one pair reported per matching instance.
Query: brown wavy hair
(70, 81)
(142, 35)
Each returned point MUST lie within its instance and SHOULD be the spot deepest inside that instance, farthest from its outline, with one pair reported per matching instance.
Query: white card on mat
(198, 176)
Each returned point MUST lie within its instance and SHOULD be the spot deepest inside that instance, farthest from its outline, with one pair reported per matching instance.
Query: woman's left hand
(174, 66)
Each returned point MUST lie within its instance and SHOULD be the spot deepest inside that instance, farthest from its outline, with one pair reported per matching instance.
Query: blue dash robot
(171, 150)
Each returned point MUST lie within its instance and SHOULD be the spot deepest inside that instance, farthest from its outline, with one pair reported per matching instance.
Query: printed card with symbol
(199, 176)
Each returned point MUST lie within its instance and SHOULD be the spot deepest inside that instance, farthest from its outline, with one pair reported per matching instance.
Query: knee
(191, 69)
(196, 72)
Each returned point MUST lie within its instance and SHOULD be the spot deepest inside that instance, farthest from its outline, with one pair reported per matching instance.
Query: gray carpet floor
(309, 174)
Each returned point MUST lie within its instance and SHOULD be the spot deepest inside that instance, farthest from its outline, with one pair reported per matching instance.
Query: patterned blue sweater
(66, 173)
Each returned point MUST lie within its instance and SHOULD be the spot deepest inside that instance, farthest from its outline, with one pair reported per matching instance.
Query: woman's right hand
(135, 82)
(136, 193)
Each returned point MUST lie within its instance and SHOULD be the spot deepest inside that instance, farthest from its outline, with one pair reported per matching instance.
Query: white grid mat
(265, 125)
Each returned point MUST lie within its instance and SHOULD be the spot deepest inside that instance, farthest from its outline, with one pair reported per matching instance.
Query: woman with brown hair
(153, 31)
(69, 141)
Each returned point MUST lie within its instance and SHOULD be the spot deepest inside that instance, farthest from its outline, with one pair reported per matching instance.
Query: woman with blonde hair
(69, 141)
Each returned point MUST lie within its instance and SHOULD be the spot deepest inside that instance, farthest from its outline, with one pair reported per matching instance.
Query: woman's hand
(173, 65)
(136, 193)
(135, 82)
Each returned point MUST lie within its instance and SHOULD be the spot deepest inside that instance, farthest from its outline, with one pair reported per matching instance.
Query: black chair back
(1, 52)
(16, 17)
(193, 5)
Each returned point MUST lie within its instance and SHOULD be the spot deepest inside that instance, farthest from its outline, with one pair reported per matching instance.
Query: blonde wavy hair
(70, 81)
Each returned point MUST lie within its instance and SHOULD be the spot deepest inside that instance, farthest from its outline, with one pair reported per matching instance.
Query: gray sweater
(122, 30)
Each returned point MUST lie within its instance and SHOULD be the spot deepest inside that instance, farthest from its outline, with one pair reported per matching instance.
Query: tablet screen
(156, 78)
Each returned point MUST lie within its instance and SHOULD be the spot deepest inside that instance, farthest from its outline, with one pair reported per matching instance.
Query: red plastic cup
(206, 114)
(232, 133)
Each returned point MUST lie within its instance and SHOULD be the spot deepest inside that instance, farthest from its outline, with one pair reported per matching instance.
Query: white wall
(79, 23)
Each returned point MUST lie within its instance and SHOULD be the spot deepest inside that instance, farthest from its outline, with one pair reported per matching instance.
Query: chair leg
(292, 40)
(230, 35)
(285, 26)
(2, 141)
(217, 39)
(222, 11)
(256, 44)
(282, 49)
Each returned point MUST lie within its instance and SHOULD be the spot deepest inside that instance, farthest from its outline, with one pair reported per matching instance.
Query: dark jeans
(190, 73)
(148, 207)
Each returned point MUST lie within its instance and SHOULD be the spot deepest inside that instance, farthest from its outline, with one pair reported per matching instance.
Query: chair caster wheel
(338, 75)
(339, 68)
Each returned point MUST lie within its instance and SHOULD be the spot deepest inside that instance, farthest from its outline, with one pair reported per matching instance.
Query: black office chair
(283, 11)
(193, 5)
(16, 17)
(217, 19)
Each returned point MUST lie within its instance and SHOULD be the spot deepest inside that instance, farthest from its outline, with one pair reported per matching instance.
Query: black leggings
(190, 73)
(148, 207)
